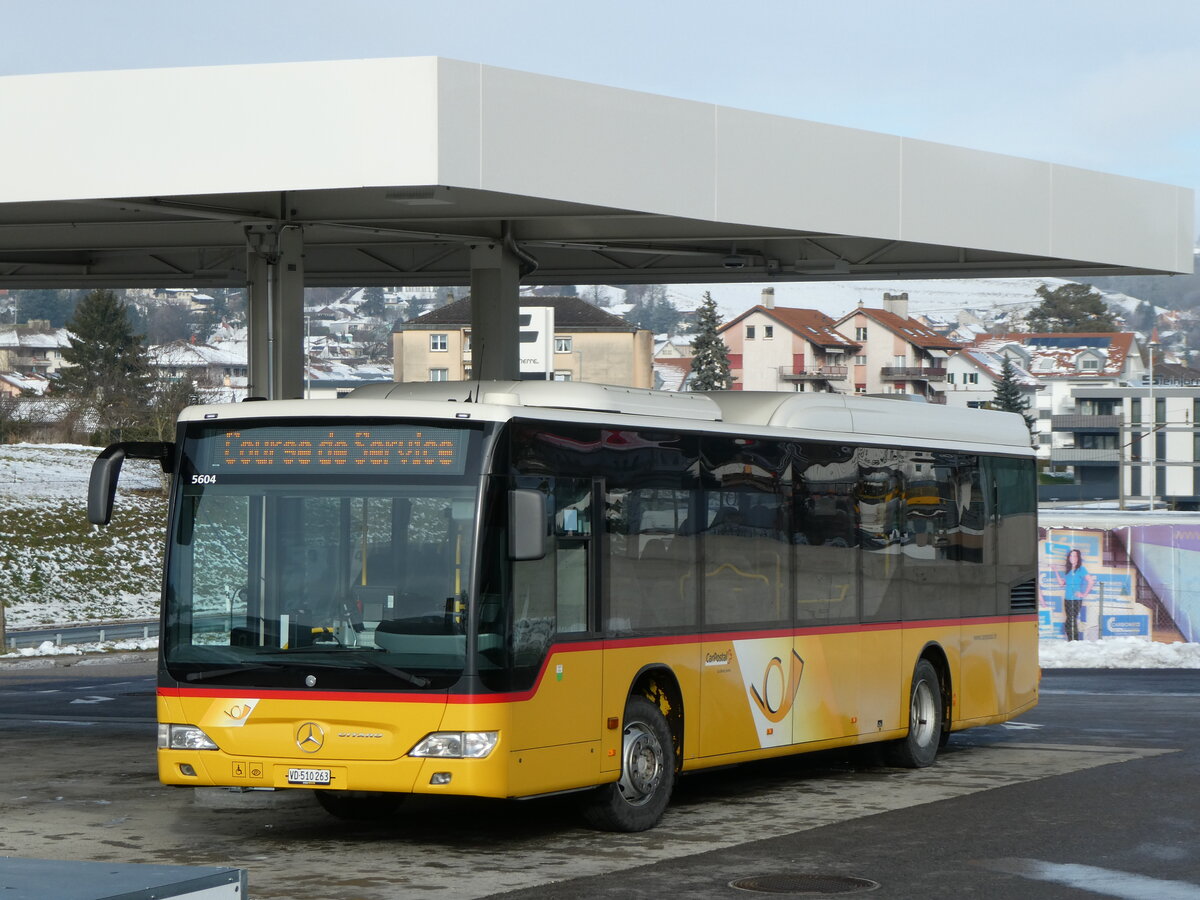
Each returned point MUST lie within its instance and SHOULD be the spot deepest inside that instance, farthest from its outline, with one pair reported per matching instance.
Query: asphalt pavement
(1091, 794)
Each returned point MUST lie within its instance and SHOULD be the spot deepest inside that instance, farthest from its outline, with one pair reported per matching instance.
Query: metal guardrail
(16, 638)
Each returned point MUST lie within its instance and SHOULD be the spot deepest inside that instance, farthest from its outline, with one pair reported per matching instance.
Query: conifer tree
(710, 356)
(1070, 308)
(1008, 396)
(108, 375)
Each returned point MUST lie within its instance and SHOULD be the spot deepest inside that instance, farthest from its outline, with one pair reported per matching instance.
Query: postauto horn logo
(778, 691)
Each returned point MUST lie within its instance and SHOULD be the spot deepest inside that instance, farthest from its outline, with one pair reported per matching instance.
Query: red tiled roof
(910, 329)
(812, 325)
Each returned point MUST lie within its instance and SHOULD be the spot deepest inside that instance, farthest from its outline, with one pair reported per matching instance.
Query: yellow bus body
(745, 696)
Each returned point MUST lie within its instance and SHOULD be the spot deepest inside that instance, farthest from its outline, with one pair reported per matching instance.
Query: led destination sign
(341, 449)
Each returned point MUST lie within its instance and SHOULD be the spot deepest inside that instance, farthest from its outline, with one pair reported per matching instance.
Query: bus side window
(649, 567)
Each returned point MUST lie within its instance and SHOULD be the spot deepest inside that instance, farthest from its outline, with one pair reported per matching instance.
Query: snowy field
(55, 569)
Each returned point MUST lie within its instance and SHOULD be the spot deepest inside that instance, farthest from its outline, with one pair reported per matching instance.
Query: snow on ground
(1118, 653)
(49, 648)
(55, 568)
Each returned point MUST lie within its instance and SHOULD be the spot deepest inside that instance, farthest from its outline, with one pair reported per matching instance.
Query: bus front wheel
(920, 747)
(639, 798)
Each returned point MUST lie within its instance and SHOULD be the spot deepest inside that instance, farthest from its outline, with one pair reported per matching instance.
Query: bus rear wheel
(359, 806)
(919, 749)
(637, 801)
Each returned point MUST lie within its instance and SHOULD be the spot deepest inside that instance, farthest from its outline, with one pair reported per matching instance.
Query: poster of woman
(1077, 583)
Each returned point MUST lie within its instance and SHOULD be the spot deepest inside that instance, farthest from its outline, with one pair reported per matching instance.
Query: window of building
(466, 342)
(860, 360)
(971, 378)
(949, 378)
(563, 344)
(439, 374)
(860, 388)
(749, 332)
(768, 332)
(1096, 441)
(860, 333)
(562, 376)
(439, 342)
(1093, 407)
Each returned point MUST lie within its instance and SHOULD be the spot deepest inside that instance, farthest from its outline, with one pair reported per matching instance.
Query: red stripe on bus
(580, 647)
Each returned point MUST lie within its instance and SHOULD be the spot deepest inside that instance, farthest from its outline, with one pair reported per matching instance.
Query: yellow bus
(527, 588)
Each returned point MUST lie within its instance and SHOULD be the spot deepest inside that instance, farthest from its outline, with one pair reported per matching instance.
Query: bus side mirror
(106, 471)
(526, 525)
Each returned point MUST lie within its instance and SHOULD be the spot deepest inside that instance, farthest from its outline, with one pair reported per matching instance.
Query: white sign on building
(537, 342)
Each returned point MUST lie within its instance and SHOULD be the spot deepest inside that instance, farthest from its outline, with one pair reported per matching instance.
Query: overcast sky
(1106, 85)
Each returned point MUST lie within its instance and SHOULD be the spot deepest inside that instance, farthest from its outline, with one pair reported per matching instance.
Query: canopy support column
(495, 326)
(275, 309)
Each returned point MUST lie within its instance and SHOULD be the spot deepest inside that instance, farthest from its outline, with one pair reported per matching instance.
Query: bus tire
(637, 801)
(920, 747)
(359, 806)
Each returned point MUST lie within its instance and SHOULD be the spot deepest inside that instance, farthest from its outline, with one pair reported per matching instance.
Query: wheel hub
(642, 764)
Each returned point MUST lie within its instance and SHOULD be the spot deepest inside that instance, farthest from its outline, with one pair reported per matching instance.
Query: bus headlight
(456, 744)
(184, 737)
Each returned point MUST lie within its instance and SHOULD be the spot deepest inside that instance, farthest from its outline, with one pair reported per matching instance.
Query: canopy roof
(395, 167)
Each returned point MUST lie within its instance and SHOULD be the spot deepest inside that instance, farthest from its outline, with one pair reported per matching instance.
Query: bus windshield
(286, 570)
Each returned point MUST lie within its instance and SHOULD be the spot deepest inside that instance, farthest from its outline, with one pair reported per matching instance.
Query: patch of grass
(55, 567)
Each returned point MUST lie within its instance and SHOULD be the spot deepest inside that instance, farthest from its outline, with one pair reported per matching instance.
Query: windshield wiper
(234, 670)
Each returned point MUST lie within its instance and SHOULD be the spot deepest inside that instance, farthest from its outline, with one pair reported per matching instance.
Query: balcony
(813, 373)
(912, 373)
(1082, 422)
(1071, 456)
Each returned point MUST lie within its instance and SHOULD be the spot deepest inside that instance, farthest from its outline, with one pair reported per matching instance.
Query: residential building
(205, 365)
(31, 349)
(784, 349)
(672, 361)
(973, 373)
(898, 354)
(18, 384)
(1063, 363)
(589, 344)
(1139, 445)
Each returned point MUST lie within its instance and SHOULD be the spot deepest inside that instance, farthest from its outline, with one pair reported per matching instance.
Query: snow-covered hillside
(941, 298)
